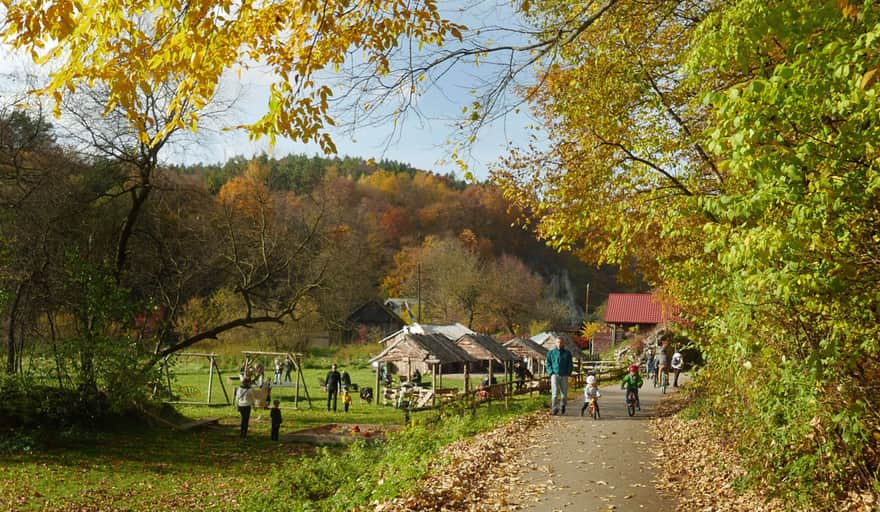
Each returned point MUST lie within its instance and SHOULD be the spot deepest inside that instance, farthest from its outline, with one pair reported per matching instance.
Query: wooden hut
(534, 355)
(372, 316)
(433, 350)
(484, 348)
(548, 341)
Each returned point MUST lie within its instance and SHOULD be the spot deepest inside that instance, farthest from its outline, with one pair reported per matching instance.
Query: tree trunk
(11, 351)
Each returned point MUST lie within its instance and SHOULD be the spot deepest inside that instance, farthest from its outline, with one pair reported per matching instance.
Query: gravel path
(593, 465)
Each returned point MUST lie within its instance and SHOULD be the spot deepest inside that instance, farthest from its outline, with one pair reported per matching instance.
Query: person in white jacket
(244, 399)
(591, 392)
(677, 364)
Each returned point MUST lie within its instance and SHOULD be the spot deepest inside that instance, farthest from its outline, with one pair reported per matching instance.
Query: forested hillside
(399, 221)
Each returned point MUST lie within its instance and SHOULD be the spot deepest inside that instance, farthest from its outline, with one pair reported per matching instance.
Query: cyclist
(632, 381)
(661, 360)
(591, 392)
(650, 363)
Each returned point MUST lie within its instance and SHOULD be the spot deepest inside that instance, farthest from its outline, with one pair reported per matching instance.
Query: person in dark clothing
(332, 383)
(275, 415)
(522, 373)
(346, 380)
(288, 365)
(417, 377)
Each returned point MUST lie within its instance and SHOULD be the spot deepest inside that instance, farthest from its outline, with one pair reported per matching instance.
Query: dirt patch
(339, 433)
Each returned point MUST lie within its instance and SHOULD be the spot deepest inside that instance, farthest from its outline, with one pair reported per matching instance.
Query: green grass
(141, 468)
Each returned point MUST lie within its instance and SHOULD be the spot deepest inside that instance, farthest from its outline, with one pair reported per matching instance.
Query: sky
(421, 141)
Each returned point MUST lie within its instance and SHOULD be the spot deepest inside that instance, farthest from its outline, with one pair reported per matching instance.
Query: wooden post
(467, 381)
(378, 390)
(210, 377)
(509, 387)
(168, 377)
(434, 377)
(222, 386)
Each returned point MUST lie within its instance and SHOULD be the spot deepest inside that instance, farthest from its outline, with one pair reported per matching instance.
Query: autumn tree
(727, 149)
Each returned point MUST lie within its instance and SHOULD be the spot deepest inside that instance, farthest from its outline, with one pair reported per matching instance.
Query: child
(275, 414)
(591, 392)
(276, 379)
(346, 399)
(632, 381)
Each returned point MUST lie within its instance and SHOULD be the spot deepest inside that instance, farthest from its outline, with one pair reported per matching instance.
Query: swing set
(165, 371)
(251, 357)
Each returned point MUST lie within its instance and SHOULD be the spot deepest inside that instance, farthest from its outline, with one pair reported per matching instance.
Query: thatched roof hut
(528, 350)
(407, 349)
(484, 348)
(433, 350)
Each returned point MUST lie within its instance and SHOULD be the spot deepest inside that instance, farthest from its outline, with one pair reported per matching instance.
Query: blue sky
(421, 141)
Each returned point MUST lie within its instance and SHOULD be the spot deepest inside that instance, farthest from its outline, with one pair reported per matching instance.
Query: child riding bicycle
(632, 381)
(591, 393)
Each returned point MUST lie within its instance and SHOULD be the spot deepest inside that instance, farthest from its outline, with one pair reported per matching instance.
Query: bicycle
(593, 409)
(661, 379)
(631, 402)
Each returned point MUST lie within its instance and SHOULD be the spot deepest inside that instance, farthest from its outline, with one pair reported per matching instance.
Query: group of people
(657, 364)
(560, 366)
(256, 373)
(245, 399)
(246, 396)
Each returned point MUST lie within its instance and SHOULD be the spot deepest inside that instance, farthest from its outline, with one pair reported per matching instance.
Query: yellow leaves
(133, 46)
(849, 10)
(868, 79)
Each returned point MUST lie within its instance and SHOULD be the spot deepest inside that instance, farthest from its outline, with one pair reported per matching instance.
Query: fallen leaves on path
(476, 474)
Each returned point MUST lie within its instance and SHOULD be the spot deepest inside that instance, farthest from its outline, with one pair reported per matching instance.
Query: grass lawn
(140, 468)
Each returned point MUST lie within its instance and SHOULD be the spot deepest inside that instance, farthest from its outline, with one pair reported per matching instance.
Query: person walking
(559, 366)
(677, 364)
(332, 384)
(244, 399)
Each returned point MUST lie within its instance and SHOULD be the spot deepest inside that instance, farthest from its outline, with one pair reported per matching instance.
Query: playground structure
(165, 372)
(251, 356)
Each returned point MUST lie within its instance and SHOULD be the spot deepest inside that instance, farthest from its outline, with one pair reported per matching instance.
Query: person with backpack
(677, 364)
(244, 399)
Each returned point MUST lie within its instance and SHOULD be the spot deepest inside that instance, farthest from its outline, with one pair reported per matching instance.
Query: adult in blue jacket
(559, 368)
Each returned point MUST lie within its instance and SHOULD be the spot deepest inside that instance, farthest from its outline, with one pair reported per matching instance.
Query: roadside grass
(369, 474)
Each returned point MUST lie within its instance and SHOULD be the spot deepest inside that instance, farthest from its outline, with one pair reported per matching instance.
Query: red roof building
(637, 309)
